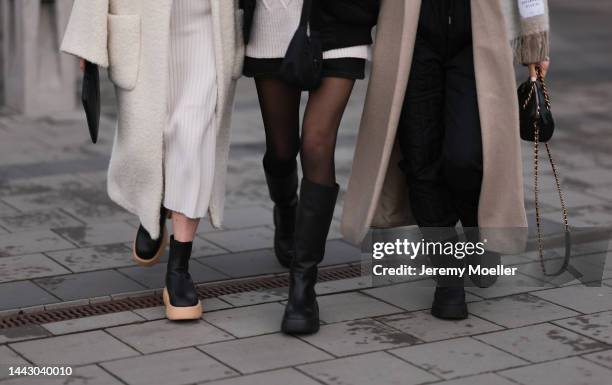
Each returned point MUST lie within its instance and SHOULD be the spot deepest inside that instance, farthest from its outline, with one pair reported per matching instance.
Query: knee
(317, 148)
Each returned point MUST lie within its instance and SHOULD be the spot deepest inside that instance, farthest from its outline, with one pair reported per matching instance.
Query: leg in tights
(322, 118)
(280, 110)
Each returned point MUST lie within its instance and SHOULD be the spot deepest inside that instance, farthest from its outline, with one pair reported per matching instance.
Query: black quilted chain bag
(537, 126)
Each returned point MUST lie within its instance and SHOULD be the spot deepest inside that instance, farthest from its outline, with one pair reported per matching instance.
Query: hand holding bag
(303, 63)
(90, 97)
(537, 126)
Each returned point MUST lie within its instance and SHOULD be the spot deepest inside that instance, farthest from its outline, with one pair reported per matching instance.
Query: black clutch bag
(535, 110)
(303, 63)
(90, 97)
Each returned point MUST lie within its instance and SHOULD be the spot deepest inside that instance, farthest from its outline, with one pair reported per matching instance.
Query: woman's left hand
(533, 73)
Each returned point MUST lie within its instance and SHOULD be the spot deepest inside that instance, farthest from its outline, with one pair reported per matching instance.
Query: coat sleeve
(533, 43)
(86, 35)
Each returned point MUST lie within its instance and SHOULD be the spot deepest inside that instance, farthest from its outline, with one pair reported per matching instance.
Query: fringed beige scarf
(528, 29)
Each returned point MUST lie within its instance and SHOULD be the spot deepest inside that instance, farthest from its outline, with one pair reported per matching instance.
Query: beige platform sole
(174, 313)
(157, 257)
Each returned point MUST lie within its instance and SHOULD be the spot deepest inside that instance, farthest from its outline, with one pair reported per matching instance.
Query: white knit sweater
(274, 24)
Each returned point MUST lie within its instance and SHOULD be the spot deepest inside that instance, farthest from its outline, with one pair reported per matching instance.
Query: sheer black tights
(280, 109)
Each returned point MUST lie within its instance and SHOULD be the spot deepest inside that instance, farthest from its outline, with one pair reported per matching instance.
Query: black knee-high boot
(283, 192)
(314, 215)
(180, 295)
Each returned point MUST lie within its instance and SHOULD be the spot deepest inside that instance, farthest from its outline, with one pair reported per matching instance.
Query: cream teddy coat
(131, 39)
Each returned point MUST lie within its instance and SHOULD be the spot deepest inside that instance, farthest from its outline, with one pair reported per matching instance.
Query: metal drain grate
(152, 300)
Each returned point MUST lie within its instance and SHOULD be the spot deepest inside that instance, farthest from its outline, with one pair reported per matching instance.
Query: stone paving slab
(580, 298)
(89, 284)
(426, 327)
(98, 234)
(350, 306)
(368, 369)
(176, 367)
(248, 321)
(569, 371)
(157, 336)
(481, 379)
(358, 336)
(519, 310)
(257, 297)
(597, 326)
(250, 216)
(94, 258)
(74, 349)
(244, 239)
(20, 294)
(245, 264)
(8, 358)
(602, 358)
(38, 220)
(271, 351)
(274, 377)
(457, 357)
(29, 266)
(544, 342)
(22, 333)
(92, 323)
(30, 242)
(154, 277)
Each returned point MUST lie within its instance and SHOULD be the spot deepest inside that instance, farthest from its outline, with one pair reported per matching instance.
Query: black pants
(439, 129)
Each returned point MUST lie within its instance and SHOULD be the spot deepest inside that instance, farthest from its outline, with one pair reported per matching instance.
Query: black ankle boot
(283, 192)
(314, 216)
(147, 251)
(180, 295)
(449, 303)
(449, 298)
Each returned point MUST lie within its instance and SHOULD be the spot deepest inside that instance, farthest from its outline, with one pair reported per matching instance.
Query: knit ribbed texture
(190, 137)
(275, 23)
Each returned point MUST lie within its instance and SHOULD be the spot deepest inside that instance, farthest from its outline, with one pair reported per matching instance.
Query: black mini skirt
(347, 68)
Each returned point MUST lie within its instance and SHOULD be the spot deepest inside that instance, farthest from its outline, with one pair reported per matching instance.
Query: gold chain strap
(536, 147)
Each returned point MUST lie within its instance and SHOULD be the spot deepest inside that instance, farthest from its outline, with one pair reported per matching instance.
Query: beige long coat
(131, 39)
(377, 194)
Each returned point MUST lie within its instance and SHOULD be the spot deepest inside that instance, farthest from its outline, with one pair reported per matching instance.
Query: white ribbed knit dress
(275, 23)
(190, 134)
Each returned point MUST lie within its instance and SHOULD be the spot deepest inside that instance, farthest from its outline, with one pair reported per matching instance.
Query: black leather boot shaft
(314, 216)
(283, 192)
(144, 246)
(180, 286)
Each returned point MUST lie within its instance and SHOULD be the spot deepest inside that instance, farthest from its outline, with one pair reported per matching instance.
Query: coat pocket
(239, 45)
(124, 50)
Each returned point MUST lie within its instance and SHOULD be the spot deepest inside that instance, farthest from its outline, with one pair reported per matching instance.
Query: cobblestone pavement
(62, 242)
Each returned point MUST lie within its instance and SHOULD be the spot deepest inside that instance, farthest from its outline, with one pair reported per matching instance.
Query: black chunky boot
(314, 216)
(449, 303)
(147, 251)
(449, 298)
(283, 192)
(180, 295)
